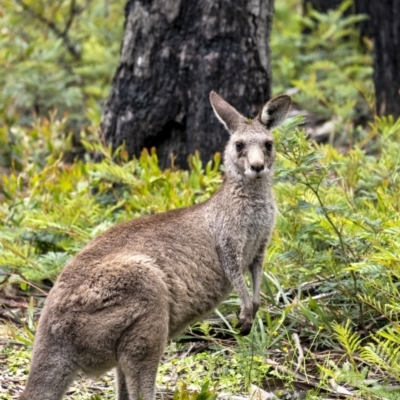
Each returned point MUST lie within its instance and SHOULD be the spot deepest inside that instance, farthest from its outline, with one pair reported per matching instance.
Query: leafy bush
(57, 55)
(328, 66)
(52, 208)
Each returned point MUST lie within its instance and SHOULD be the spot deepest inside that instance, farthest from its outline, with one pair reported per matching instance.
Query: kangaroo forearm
(256, 273)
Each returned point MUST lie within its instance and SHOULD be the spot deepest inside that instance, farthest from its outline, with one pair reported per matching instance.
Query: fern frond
(384, 354)
(350, 341)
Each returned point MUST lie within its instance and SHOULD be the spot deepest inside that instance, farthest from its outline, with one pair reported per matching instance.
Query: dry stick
(336, 389)
(296, 339)
(301, 377)
(72, 12)
(23, 279)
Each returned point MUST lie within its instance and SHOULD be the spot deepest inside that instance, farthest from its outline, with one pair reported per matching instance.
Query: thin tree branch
(73, 11)
(63, 35)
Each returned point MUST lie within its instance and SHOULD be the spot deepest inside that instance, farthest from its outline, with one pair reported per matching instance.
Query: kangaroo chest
(256, 227)
(248, 228)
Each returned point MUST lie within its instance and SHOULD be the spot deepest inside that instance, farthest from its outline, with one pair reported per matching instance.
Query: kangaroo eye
(268, 145)
(239, 146)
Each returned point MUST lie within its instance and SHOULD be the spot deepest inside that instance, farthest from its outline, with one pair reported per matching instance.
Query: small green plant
(205, 393)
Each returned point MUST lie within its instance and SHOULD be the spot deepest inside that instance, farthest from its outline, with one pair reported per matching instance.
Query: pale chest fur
(246, 224)
(256, 223)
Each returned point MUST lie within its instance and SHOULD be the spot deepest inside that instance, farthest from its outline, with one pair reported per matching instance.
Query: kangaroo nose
(257, 167)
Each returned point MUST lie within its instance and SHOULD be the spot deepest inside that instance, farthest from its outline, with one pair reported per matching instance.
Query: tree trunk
(174, 52)
(385, 26)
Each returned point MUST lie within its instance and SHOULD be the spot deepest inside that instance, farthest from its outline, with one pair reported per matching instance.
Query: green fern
(350, 341)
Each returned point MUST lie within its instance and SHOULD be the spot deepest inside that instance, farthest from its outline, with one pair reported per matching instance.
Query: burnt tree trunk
(385, 27)
(172, 55)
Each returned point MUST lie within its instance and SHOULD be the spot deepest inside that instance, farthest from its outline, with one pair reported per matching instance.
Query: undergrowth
(328, 69)
(57, 56)
(331, 276)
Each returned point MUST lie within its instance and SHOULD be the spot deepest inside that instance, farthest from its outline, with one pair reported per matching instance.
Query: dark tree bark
(174, 52)
(385, 27)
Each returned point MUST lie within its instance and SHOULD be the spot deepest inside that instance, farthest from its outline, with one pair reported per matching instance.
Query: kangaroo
(140, 283)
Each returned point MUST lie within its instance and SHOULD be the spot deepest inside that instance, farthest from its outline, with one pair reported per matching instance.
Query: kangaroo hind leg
(122, 389)
(50, 374)
(140, 353)
(139, 377)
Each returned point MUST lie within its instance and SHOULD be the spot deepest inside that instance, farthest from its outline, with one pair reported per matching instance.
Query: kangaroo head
(250, 151)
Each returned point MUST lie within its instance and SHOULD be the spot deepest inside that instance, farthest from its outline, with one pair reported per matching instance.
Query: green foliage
(52, 208)
(212, 366)
(327, 65)
(205, 393)
(57, 55)
(339, 223)
(350, 341)
(334, 257)
(338, 229)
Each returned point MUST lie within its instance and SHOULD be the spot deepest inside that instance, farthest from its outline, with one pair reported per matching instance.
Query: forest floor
(186, 365)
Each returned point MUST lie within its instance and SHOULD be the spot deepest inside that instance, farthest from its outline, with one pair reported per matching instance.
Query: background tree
(385, 30)
(173, 54)
(57, 58)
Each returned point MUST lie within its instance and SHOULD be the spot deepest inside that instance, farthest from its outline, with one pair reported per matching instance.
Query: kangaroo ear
(274, 112)
(225, 112)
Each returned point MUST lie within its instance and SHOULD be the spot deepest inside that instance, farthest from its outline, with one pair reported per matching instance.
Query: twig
(343, 246)
(63, 35)
(316, 382)
(23, 279)
(72, 12)
(301, 377)
(300, 359)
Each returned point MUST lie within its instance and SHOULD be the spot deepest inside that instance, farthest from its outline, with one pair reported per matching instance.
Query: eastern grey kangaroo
(119, 300)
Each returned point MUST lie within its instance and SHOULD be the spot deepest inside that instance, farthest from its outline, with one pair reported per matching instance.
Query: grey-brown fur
(128, 291)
